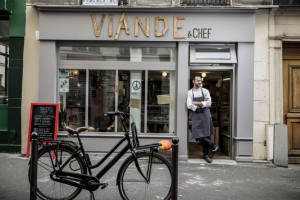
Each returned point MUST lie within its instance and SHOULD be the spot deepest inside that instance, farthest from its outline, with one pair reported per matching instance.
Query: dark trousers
(207, 144)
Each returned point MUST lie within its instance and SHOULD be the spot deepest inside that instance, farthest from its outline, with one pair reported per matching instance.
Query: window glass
(148, 97)
(213, 53)
(161, 102)
(147, 54)
(101, 95)
(4, 58)
(131, 97)
(72, 90)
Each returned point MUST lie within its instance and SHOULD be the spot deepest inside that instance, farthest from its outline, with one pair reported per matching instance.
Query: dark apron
(202, 125)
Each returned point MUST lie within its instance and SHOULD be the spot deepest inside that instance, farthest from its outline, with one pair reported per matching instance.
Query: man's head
(197, 81)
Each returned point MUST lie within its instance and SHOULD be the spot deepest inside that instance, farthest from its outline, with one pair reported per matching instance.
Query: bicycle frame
(79, 150)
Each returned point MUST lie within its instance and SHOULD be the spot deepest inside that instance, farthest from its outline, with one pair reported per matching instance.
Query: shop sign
(43, 121)
(100, 2)
(161, 26)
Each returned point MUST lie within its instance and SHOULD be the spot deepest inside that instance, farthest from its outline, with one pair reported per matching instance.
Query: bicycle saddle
(75, 130)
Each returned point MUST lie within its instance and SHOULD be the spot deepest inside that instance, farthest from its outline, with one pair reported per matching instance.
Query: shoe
(207, 159)
(213, 152)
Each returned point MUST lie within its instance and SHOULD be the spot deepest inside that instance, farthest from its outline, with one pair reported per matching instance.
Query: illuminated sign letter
(110, 25)
(122, 20)
(178, 27)
(157, 34)
(97, 30)
(138, 22)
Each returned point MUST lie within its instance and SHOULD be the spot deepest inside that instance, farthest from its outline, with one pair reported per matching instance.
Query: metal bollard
(174, 186)
(33, 166)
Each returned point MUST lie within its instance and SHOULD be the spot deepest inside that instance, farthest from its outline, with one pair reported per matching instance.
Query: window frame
(117, 65)
(194, 61)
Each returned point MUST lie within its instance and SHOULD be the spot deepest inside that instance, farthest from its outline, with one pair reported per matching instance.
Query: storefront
(140, 61)
(12, 31)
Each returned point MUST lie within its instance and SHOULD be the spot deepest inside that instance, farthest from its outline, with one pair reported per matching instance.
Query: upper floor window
(206, 2)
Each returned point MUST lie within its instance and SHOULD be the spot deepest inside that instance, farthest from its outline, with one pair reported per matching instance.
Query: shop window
(4, 58)
(147, 95)
(131, 93)
(161, 102)
(101, 98)
(131, 97)
(212, 53)
(72, 92)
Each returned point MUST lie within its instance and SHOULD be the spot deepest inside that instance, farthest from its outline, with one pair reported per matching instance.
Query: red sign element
(43, 121)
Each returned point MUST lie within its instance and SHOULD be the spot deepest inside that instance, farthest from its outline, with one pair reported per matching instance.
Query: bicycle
(64, 168)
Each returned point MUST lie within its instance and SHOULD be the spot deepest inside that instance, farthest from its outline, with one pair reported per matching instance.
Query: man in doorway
(199, 101)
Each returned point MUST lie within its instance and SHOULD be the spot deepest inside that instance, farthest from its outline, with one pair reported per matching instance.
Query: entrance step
(215, 161)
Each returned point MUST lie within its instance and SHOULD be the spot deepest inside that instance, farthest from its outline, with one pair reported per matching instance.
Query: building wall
(10, 140)
(30, 85)
(272, 28)
(261, 83)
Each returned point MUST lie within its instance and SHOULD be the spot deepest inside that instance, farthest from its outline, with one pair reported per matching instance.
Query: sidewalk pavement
(222, 179)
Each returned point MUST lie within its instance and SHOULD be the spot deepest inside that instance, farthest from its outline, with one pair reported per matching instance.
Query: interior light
(203, 74)
(164, 74)
(75, 72)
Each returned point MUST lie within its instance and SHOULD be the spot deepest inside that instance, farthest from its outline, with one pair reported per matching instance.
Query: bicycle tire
(133, 186)
(46, 187)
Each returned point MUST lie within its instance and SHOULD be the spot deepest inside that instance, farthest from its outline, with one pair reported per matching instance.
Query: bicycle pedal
(103, 185)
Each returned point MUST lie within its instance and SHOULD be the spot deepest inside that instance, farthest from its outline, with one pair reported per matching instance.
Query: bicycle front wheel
(47, 162)
(157, 184)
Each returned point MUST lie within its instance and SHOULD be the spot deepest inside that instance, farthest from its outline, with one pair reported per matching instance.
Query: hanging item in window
(164, 99)
(63, 80)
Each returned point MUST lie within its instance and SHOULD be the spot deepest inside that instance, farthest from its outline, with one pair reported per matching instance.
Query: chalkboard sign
(43, 120)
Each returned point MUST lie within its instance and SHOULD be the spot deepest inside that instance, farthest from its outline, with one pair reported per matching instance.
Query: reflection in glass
(161, 102)
(72, 91)
(4, 58)
(131, 96)
(148, 54)
(101, 97)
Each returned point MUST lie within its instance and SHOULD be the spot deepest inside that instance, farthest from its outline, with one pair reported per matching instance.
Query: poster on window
(63, 85)
(164, 99)
(136, 86)
(63, 73)
(135, 103)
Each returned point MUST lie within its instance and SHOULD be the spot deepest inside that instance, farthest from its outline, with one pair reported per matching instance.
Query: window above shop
(212, 53)
(206, 2)
(286, 2)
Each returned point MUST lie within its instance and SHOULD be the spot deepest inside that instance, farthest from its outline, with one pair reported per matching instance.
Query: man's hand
(199, 104)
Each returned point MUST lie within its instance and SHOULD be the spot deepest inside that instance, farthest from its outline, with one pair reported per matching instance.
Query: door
(291, 102)
(220, 85)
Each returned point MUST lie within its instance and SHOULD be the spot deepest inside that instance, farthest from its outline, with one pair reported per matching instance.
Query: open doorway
(219, 84)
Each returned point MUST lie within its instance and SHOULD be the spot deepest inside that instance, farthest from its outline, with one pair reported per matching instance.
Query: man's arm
(207, 99)
(190, 103)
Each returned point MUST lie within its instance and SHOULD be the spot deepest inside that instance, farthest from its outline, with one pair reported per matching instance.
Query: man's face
(197, 82)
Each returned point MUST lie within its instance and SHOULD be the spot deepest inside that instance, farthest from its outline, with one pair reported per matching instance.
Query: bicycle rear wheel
(48, 188)
(133, 186)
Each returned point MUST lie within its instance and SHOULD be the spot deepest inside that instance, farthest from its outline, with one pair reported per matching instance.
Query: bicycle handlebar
(111, 113)
(118, 113)
(135, 140)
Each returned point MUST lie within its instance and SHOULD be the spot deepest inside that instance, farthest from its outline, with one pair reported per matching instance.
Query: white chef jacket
(198, 93)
